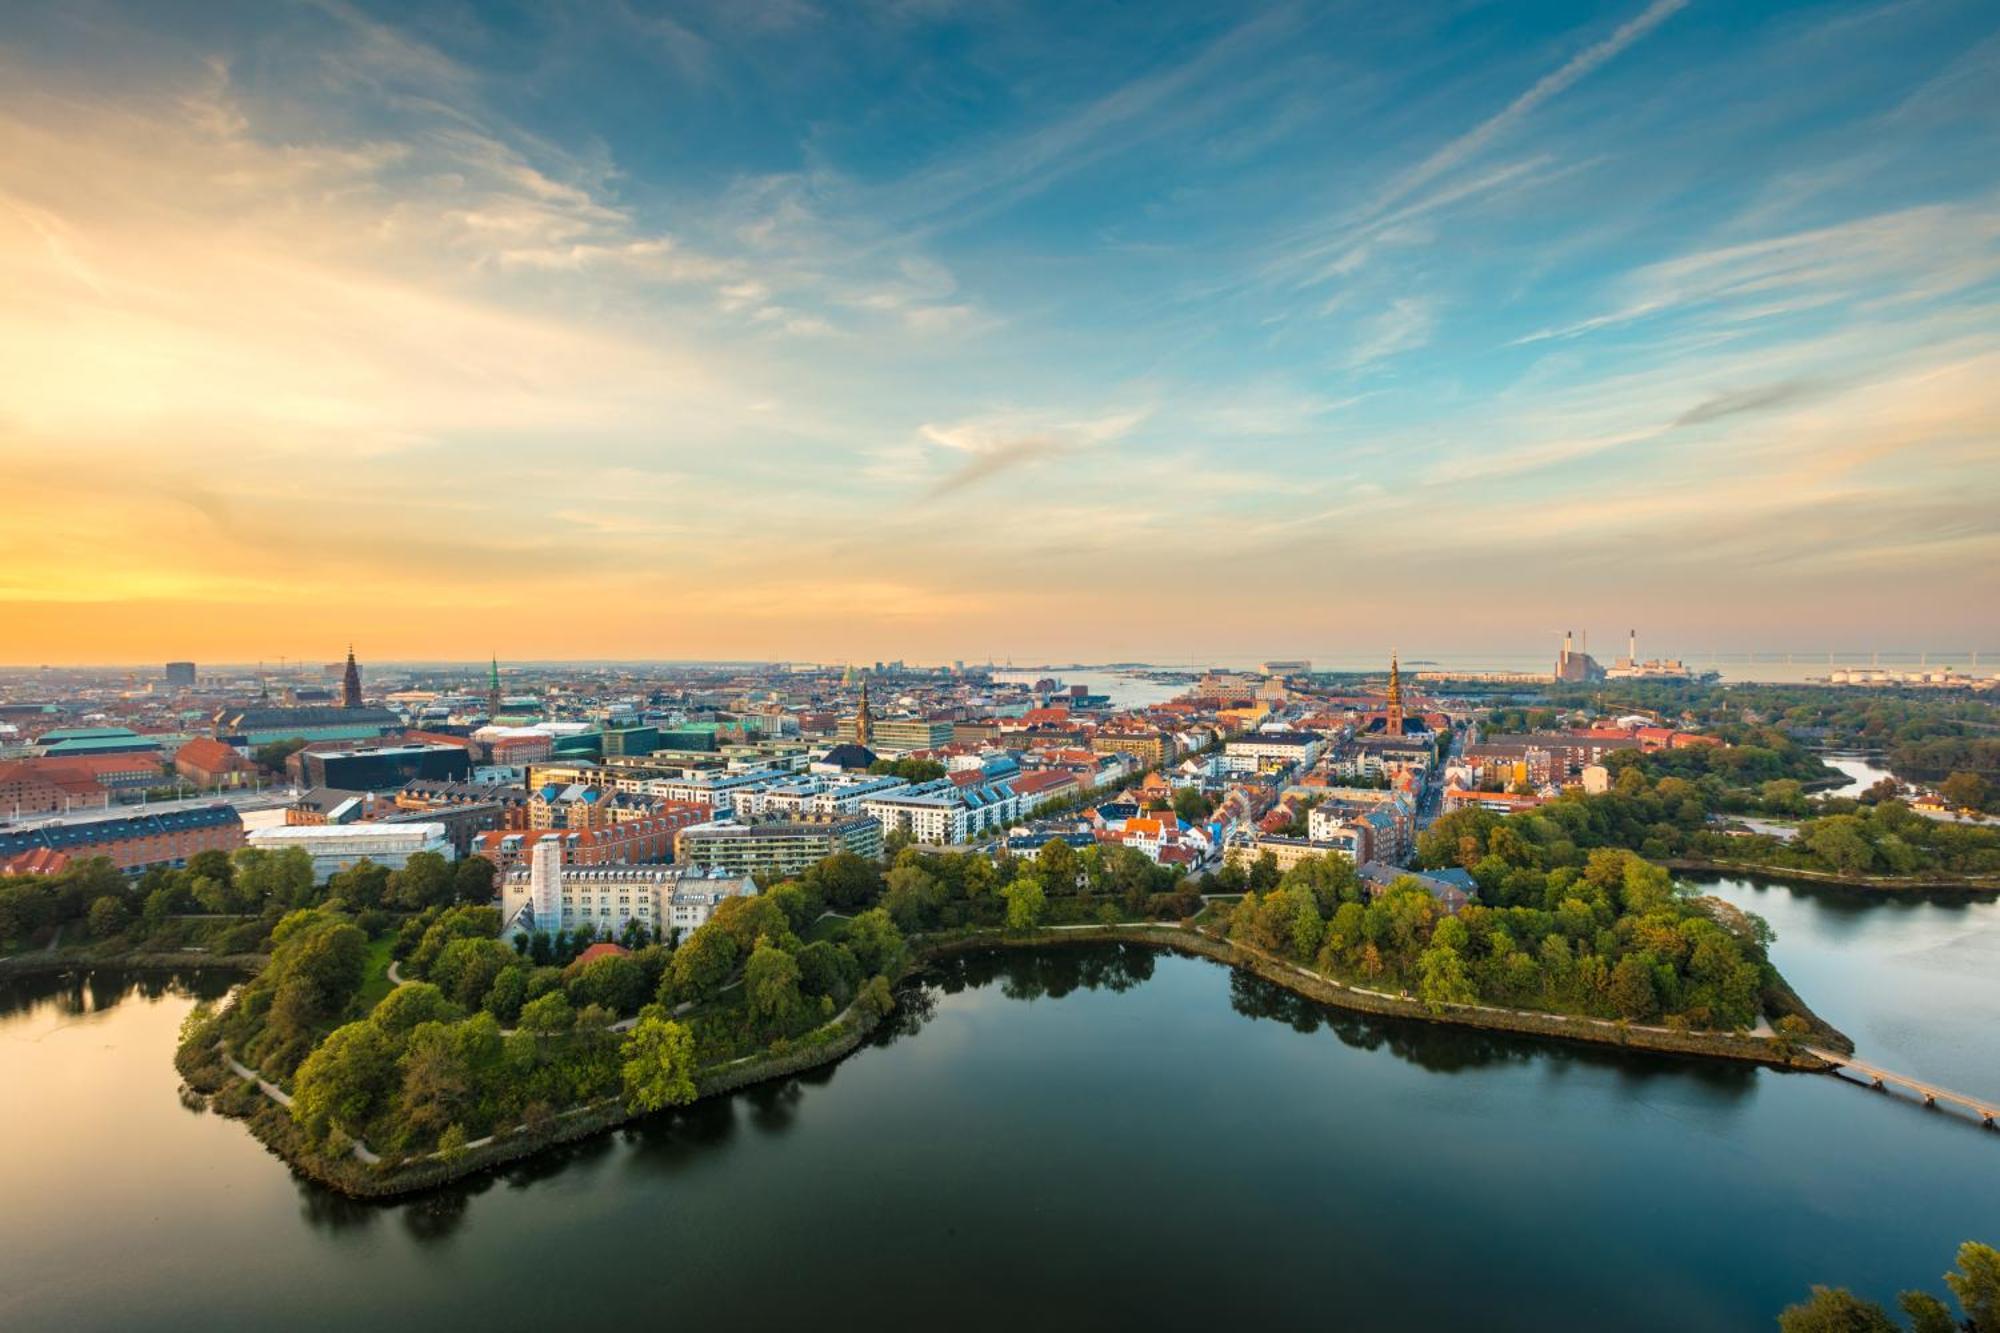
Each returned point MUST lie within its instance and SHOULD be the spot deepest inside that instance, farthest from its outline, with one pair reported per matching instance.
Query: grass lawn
(826, 928)
(375, 980)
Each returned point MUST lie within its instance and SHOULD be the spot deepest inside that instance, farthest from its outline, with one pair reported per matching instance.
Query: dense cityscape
(997, 663)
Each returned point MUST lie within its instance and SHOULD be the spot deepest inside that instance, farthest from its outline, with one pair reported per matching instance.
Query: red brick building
(132, 842)
(633, 842)
(209, 763)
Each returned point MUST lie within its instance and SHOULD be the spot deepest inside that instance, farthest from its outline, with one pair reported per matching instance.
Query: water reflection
(1050, 973)
(79, 993)
(946, 1160)
(1438, 1048)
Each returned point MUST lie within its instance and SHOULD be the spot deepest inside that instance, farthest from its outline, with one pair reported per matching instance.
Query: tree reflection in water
(672, 1141)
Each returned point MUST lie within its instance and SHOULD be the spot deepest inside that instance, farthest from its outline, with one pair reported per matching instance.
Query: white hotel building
(548, 896)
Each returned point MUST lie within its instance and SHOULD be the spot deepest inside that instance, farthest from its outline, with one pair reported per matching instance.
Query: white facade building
(551, 897)
(1262, 751)
(805, 797)
(336, 847)
(942, 813)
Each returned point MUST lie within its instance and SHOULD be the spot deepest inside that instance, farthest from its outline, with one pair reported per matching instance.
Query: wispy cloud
(1471, 143)
(1759, 398)
(992, 449)
(1405, 325)
(1902, 256)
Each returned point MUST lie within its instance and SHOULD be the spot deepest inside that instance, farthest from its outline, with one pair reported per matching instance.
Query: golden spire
(864, 729)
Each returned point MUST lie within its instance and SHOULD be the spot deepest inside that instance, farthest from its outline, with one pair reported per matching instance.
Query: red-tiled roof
(37, 861)
(603, 949)
(209, 755)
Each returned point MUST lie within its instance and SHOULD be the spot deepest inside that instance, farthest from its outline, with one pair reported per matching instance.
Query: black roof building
(850, 757)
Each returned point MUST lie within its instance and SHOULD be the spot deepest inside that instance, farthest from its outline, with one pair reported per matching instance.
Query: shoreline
(1833, 878)
(207, 1074)
(44, 964)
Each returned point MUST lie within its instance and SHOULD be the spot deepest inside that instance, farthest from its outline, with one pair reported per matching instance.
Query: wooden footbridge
(1852, 1070)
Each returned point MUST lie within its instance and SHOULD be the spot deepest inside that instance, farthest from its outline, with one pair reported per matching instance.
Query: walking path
(277, 1094)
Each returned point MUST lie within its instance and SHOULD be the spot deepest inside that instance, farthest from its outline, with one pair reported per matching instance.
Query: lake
(1086, 1138)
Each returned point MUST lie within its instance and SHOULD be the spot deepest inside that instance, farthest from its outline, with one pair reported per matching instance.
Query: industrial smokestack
(1566, 642)
(1632, 645)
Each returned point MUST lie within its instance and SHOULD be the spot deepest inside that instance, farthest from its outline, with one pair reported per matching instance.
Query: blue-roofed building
(248, 728)
(131, 842)
(1452, 888)
(69, 742)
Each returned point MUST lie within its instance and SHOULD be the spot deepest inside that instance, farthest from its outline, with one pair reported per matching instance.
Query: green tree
(472, 880)
(1977, 1286)
(1307, 929)
(345, 1081)
(108, 917)
(701, 966)
(913, 896)
(1967, 790)
(466, 968)
(658, 1064)
(1836, 1310)
(426, 880)
(1442, 979)
(1841, 842)
(508, 993)
(829, 969)
(1056, 864)
(617, 982)
(411, 1003)
(1025, 903)
(1192, 805)
(845, 881)
(282, 877)
(771, 978)
(274, 755)
(548, 1015)
(1633, 990)
(1927, 1313)
(362, 885)
(875, 941)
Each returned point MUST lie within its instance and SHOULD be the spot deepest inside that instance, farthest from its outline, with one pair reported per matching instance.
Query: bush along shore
(1758, 870)
(46, 963)
(385, 1105)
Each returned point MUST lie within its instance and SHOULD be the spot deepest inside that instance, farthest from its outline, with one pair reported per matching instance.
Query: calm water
(1084, 1139)
(1861, 771)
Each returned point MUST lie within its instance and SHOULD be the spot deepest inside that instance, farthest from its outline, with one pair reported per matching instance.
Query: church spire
(493, 692)
(864, 723)
(350, 684)
(1394, 722)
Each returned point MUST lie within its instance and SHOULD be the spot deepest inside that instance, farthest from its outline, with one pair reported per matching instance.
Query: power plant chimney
(1632, 646)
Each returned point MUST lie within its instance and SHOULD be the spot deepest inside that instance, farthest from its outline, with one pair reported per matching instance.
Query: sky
(930, 329)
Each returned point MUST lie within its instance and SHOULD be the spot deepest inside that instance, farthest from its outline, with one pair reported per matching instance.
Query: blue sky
(939, 329)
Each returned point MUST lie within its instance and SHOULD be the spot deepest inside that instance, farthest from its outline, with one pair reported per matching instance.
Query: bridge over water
(1852, 1070)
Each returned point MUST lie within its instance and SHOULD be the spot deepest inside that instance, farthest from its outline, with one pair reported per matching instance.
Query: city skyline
(795, 332)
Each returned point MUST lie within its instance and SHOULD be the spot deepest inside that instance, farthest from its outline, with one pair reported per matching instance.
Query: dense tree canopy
(1613, 938)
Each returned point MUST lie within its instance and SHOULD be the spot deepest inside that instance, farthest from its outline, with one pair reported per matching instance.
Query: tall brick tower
(1394, 723)
(350, 682)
